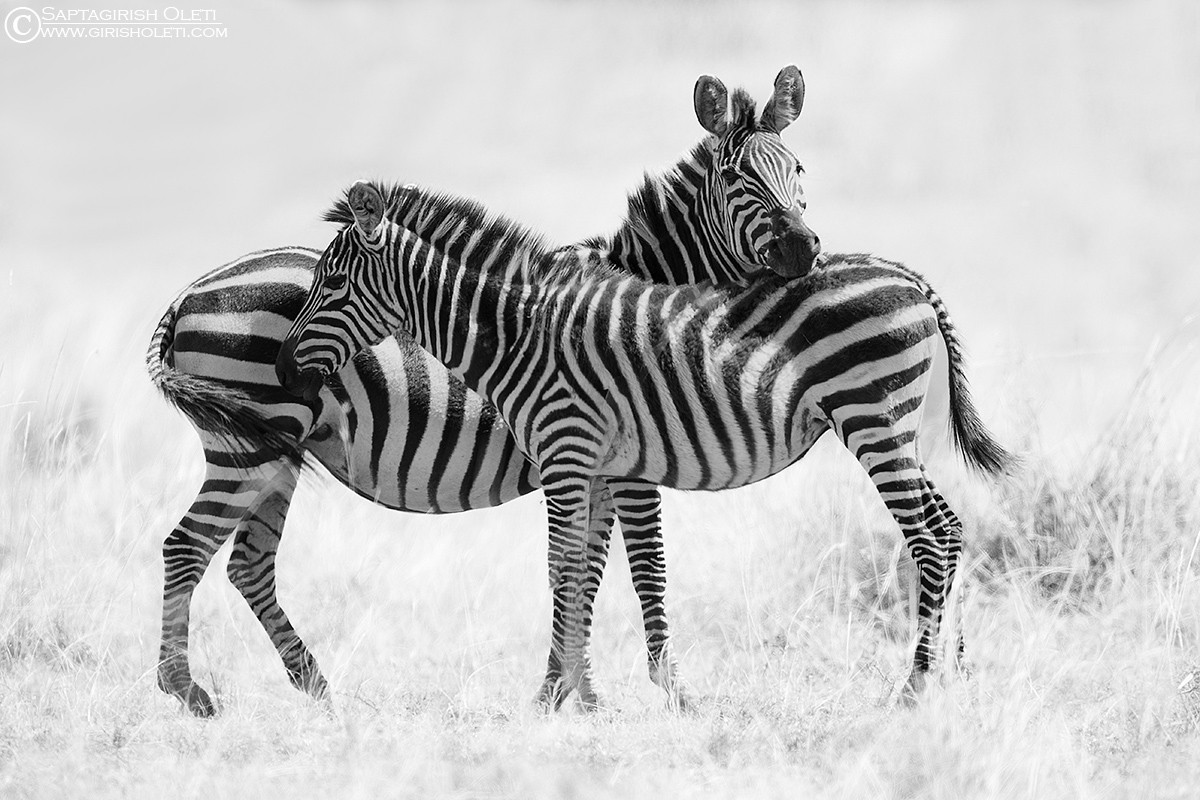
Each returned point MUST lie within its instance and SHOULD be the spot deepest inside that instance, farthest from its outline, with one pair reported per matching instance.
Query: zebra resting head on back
(756, 197)
(394, 426)
(731, 207)
(602, 375)
(755, 184)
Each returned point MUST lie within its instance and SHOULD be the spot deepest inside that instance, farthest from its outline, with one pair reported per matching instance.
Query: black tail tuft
(215, 407)
(972, 439)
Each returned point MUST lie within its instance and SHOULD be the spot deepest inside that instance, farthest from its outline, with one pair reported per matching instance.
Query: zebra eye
(335, 282)
(730, 174)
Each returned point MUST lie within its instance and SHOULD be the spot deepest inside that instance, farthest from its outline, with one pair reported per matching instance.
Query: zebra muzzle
(304, 383)
(794, 247)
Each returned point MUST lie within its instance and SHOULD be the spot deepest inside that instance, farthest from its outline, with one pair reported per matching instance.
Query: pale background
(1038, 162)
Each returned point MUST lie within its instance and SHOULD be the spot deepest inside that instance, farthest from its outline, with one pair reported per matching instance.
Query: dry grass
(789, 603)
(1041, 163)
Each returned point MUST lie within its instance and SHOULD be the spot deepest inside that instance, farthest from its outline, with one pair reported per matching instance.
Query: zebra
(601, 374)
(213, 356)
(394, 425)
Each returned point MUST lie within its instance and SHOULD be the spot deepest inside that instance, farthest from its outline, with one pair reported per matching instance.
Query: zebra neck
(673, 231)
(465, 312)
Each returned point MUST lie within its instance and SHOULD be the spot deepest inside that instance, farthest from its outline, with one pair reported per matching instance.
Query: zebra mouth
(301, 382)
(307, 384)
(785, 259)
(304, 383)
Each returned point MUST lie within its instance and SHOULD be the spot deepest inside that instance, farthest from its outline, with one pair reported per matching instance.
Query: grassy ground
(1041, 164)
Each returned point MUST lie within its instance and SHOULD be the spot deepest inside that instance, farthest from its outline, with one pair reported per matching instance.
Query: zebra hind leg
(941, 519)
(252, 570)
(554, 690)
(639, 510)
(226, 495)
(894, 465)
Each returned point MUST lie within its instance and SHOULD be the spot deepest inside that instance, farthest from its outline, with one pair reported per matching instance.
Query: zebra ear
(366, 203)
(784, 106)
(712, 105)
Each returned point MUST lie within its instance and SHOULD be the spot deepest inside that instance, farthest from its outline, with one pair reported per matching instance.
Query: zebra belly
(680, 468)
(418, 439)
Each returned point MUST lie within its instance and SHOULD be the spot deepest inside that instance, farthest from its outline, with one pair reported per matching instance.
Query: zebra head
(755, 202)
(347, 306)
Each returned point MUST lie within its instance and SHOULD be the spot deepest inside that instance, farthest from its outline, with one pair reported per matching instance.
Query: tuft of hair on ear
(743, 110)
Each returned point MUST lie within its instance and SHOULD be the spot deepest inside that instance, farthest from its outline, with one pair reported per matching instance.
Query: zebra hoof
(591, 701)
(309, 680)
(551, 695)
(194, 699)
(199, 703)
(913, 688)
(665, 675)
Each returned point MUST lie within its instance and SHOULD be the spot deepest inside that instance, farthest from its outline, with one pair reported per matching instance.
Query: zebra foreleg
(567, 502)
(252, 571)
(639, 510)
(600, 521)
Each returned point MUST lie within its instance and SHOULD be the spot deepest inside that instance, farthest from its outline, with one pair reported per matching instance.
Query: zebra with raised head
(393, 424)
(602, 375)
(733, 207)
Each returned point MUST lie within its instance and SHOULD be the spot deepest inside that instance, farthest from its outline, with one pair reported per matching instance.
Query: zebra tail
(217, 408)
(971, 436)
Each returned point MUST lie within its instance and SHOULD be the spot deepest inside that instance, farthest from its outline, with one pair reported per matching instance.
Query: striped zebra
(602, 375)
(394, 425)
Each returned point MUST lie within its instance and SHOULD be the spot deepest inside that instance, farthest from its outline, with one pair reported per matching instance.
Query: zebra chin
(304, 383)
(791, 259)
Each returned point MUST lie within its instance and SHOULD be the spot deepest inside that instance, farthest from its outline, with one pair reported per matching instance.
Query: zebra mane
(683, 180)
(433, 214)
(651, 202)
(439, 216)
(660, 193)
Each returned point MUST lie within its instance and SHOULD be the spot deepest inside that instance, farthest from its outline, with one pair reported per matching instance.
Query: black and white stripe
(394, 425)
(601, 375)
